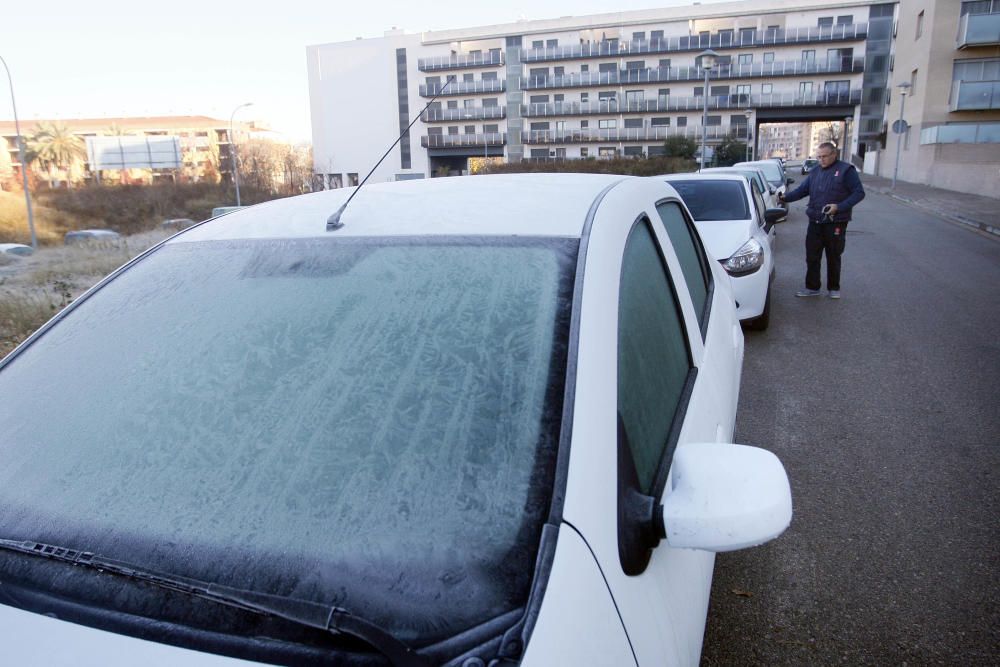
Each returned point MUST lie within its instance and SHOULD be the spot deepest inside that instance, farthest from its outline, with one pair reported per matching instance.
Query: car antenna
(333, 223)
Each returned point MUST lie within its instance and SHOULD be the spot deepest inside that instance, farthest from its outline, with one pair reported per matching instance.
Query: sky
(71, 59)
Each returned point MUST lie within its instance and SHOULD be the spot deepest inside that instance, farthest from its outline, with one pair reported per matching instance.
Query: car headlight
(747, 259)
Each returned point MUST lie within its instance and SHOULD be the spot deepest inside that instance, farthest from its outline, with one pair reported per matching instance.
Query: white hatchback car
(738, 230)
(774, 173)
(470, 420)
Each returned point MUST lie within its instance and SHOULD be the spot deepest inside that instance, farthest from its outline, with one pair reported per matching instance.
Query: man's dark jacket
(837, 184)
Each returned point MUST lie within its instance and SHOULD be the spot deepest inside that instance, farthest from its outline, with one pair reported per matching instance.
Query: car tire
(761, 322)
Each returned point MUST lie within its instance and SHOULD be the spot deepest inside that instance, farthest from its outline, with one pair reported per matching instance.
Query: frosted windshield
(366, 423)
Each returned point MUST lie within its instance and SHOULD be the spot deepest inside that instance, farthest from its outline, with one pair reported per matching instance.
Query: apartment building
(204, 143)
(594, 86)
(948, 54)
(785, 140)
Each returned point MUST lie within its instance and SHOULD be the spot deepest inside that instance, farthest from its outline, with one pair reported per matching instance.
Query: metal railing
(463, 140)
(594, 135)
(975, 95)
(851, 32)
(439, 63)
(464, 87)
(668, 74)
(672, 103)
(465, 113)
(978, 30)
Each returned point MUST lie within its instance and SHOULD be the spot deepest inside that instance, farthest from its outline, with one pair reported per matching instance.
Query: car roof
(713, 176)
(502, 204)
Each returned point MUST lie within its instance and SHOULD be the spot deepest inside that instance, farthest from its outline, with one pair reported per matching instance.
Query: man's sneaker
(834, 294)
(808, 292)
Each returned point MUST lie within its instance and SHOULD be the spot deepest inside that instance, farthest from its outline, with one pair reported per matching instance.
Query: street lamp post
(903, 87)
(847, 136)
(708, 57)
(748, 113)
(20, 154)
(232, 151)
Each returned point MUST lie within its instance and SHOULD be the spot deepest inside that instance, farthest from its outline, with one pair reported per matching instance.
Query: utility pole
(20, 154)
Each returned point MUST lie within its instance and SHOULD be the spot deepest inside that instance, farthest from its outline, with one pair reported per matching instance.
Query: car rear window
(714, 200)
(371, 424)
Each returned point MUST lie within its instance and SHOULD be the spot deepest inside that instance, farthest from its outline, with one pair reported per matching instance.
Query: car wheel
(761, 322)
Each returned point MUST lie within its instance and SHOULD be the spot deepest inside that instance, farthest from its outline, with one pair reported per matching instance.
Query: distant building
(949, 53)
(785, 140)
(594, 86)
(204, 141)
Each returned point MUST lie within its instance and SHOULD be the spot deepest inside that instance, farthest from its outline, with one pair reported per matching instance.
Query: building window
(538, 127)
(607, 68)
(538, 99)
(847, 19)
(558, 71)
(607, 123)
(468, 77)
(805, 89)
(491, 129)
(664, 63)
(352, 179)
(584, 69)
(769, 58)
(660, 122)
(607, 151)
(913, 83)
(538, 73)
(726, 36)
(746, 35)
(633, 123)
(490, 102)
(584, 124)
(468, 104)
(745, 59)
(920, 24)
(638, 37)
(489, 76)
(825, 22)
(470, 129)
(682, 121)
(584, 152)
(766, 88)
(634, 65)
(634, 98)
(551, 43)
(713, 120)
(558, 97)
(539, 152)
(560, 125)
(656, 36)
(584, 97)
(453, 129)
(633, 151)
(808, 56)
(607, 96)
(434, 132)
(538, 44)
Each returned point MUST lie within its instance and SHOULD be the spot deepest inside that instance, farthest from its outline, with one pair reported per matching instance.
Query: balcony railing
(594, 135)
(962, 133)
(852, 32)
(975, 95)
(463, 140)
(439, 63)
(979, 30)
(465, 113)
(464, 87)
(672, 103)
(668, 74)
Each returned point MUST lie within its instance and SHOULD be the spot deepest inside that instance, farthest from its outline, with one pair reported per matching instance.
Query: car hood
(724, 237)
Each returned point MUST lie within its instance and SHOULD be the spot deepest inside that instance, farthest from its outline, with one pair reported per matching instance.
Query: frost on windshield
(366, 424)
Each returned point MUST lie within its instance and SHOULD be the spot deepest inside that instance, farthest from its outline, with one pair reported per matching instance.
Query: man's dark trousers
(829, 237)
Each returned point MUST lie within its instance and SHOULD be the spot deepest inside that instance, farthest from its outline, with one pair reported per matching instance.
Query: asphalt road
(883, 407)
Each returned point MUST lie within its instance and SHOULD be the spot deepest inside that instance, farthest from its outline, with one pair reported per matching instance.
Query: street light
(20, 154)
(748, 113)
(708, 57)
(898, 128)
(232, 151)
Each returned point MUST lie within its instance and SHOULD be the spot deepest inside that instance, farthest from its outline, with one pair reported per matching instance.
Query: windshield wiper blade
(310, 614)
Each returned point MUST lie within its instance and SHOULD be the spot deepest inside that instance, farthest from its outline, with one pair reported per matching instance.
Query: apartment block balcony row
(463, 87)
(672, 103)
(463, 140)
(722, 40)
(467, 61)
(465, 113)
(975, 95)
(657, 133)
(724, 72)
(979, 30)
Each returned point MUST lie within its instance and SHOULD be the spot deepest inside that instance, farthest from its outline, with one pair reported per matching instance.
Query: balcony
(465, 113)
(721, 73)
(675, 103)
(463, 140)
(463, 88)
(975, 95)
(442, 63)
(962, 133)
(591, 135)
(979, 30)
(791, 36)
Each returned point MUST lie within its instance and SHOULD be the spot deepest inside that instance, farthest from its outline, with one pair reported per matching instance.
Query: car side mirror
(773, 215)
(725, 497)
(790, 181)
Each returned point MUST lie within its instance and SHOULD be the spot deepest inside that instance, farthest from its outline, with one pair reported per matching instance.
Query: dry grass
(50, 224)
(33, 289)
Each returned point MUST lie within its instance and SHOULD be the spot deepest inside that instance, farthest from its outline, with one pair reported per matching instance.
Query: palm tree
(55, 148)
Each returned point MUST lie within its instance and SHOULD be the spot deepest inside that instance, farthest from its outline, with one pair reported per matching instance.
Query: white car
(774, 173)
(459, 421)
(758, 179)
(738, 230)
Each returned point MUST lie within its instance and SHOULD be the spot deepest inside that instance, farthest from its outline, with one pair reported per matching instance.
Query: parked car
(222, 210)
(775, 175)
(90, 236)
(421, 431)
(756, 177)
(177, 223)
(808, 165)
(738, 230)
(16, 249)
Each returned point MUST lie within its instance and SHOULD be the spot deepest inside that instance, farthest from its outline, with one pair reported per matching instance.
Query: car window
(370, 423)
(653, 354)
(714, 200)
(761, 207)
(691, 255)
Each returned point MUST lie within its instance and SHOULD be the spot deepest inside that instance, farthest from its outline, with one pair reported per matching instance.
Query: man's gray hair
(830, 145)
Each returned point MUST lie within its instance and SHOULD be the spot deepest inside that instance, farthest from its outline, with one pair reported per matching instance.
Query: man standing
(834, 188)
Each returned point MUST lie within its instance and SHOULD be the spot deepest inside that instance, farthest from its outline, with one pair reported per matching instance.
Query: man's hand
(781, 197)
(830, 209)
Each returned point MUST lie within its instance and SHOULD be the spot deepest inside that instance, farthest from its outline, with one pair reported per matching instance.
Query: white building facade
(594, 86)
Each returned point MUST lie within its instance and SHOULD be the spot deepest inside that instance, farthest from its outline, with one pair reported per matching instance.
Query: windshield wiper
(310, 614)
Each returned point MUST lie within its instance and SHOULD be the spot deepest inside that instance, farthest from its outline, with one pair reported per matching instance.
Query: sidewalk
(976, 211)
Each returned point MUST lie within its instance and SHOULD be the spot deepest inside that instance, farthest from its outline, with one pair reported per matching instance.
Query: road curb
(962, 220)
